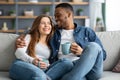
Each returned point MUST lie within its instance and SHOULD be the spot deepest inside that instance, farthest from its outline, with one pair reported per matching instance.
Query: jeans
(21, 70)
(59, 69)
(89, 66)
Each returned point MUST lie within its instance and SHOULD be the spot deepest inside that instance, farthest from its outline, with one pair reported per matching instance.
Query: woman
(33, 60)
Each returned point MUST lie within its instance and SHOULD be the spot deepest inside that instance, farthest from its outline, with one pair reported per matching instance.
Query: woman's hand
(40, 63)
(76, 49)
(43, 65)
(20, 42)
(36, 61)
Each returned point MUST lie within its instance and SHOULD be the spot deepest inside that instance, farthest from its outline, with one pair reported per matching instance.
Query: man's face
(61, 17)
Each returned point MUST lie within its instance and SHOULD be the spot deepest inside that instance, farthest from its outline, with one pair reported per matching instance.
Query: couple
(43, 48)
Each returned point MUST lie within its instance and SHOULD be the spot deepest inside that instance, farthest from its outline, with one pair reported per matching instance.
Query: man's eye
(58, 15)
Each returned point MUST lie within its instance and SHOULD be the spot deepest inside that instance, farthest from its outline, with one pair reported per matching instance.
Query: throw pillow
(117, 67)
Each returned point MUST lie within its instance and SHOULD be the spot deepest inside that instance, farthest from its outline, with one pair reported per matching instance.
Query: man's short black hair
(65, 6)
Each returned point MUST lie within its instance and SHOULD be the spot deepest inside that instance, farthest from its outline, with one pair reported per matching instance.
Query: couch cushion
(7, 50)
(4, 76)
(111, 44)
(108, 75)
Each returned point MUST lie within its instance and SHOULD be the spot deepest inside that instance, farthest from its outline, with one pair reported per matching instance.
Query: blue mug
(66, 48)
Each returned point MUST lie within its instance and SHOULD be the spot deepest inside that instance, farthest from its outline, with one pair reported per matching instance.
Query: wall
(24, 23)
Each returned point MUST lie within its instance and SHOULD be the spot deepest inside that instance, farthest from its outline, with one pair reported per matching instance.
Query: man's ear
(70, 14)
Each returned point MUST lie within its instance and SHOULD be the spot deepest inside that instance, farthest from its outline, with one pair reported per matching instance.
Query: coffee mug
(66, 48)
(44, 60)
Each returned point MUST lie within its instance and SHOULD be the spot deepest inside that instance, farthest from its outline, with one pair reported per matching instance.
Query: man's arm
(20, 41)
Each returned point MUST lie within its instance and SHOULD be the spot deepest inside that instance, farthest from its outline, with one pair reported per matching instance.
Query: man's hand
(20, 42)
(76, 49)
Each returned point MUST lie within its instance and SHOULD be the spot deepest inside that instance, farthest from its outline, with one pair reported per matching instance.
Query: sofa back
(7, 50)
(110, 41)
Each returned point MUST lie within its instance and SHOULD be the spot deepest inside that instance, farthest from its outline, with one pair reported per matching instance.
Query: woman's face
(45, 26)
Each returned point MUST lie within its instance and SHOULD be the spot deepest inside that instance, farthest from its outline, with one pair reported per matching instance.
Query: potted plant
(12, 13)
(80, 11)
(99, 26)
(47, 10)
(98, 19)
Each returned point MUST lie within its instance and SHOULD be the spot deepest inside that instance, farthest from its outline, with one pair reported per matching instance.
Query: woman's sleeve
(21, 53)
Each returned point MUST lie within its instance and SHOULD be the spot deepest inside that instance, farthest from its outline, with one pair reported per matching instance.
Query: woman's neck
(42, 39)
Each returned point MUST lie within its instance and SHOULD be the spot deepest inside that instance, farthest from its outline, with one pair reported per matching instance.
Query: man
(87, 52)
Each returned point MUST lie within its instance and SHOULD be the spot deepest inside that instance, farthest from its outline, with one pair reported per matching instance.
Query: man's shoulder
(83, 28)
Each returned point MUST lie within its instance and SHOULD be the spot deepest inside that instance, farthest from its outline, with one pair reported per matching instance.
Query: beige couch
(110, 41)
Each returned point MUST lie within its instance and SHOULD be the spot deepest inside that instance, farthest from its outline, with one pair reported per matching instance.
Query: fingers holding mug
(76, 49)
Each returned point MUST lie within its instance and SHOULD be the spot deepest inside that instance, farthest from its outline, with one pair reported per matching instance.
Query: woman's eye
(48, 23)
(42, 23)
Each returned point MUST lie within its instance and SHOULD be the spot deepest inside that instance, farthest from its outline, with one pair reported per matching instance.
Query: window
(112, 15)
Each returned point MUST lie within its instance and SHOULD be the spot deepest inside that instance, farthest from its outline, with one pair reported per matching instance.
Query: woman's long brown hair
(35, 35)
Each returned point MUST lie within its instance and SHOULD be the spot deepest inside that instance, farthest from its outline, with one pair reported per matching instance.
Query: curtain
(96, 14)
